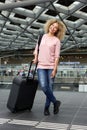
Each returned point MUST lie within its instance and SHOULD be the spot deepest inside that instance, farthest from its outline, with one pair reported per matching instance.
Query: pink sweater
(49, 49)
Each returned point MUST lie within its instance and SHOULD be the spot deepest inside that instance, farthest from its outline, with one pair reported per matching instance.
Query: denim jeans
(46, 84)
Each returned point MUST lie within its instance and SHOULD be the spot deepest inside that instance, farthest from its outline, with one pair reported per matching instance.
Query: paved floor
(72, 115)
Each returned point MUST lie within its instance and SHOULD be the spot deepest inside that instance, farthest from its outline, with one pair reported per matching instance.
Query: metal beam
(7, 6)
(82, 1)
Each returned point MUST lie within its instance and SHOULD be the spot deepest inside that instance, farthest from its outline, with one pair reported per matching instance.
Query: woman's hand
(34, 60)
(53, 74)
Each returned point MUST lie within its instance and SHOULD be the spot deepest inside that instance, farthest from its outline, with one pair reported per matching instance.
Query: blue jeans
(46, 84)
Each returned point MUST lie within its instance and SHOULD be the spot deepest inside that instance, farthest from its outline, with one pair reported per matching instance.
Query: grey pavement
(72, 114)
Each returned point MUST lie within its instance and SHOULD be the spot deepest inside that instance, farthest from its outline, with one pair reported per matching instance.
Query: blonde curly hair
(61, 28)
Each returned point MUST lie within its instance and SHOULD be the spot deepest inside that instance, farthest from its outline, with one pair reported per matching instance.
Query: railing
(6, 79)
(61, 83)
(9, 79)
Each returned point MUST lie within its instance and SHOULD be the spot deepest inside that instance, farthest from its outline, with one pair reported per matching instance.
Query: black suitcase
(22, 92)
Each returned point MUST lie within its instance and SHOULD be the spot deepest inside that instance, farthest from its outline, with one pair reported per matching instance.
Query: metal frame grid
(21, 21)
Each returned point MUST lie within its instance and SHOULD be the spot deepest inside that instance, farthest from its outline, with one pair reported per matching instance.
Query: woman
(48, 58)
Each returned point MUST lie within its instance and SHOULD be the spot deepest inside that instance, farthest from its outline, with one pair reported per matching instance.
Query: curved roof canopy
(22, 21)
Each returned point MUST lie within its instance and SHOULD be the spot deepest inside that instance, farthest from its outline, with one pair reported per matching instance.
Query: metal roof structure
(22, 21)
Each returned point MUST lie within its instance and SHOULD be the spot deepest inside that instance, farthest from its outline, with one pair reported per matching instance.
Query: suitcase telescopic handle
(33, 74)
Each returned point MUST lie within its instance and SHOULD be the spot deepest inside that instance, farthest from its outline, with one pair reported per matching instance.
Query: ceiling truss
(22, 21)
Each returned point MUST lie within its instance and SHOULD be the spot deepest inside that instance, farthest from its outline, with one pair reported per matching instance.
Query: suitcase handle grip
(33, 74)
